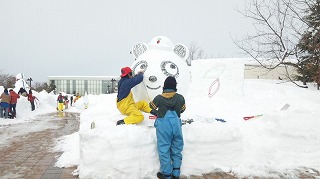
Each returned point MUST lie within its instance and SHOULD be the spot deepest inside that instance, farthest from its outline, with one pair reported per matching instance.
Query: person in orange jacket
(13, 103)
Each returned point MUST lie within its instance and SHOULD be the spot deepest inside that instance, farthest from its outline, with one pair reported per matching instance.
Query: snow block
(130, 151)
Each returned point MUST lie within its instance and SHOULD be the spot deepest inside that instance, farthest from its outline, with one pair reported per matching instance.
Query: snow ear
(138, 49)
(181, 50)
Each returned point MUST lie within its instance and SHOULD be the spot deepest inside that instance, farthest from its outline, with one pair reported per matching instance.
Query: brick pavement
(30, 156)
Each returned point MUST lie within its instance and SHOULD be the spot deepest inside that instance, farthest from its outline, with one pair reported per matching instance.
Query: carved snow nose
(152, 78)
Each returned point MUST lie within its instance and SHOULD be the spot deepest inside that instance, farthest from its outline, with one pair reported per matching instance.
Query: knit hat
(170, 83)
(125, 71)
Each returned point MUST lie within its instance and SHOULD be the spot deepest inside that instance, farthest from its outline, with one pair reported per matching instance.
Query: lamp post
(108, 89)
(112, 80)
(30, 79)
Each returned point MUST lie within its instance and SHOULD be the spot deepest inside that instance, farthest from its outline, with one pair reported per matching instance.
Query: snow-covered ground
(47, 104)
(276, 142)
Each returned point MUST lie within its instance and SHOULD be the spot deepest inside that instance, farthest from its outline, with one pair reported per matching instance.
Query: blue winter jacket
(126, 84)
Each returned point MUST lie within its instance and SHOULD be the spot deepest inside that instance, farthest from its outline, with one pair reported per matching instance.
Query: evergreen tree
(309, 44)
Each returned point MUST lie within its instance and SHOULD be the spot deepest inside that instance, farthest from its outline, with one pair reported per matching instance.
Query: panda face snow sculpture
(158, 60)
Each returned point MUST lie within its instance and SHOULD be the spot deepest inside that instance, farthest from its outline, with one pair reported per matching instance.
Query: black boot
(162, 176)
(120, 122)
(174, 177)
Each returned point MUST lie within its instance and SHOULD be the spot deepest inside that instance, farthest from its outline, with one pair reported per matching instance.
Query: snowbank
(278, 143)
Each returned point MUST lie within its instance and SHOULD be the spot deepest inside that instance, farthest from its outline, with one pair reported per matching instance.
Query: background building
(252, 71)
(80, 84)
(109, 84)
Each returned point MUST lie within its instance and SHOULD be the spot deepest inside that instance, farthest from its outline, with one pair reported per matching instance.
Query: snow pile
(277, 142)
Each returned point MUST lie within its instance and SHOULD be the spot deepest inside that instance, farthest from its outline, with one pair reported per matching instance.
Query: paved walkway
(30, 156)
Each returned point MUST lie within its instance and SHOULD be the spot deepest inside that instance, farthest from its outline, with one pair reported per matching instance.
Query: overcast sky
(43, 38)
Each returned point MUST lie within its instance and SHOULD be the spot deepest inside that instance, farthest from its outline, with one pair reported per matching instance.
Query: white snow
(278, 142)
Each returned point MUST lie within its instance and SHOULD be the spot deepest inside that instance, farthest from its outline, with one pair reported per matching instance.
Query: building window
(80, 87)
(68, 87)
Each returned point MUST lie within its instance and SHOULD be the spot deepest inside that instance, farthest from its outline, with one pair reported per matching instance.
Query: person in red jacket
(31, 98)
(13, 103)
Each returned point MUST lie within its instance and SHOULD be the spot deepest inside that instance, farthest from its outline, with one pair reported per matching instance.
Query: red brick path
(30, 156)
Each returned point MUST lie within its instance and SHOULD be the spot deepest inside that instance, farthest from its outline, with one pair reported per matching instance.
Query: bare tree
(195, 52)
(7, 80)
(40, 86)
(279, 26)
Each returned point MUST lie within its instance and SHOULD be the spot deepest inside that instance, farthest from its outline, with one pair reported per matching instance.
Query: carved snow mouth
(153, 88)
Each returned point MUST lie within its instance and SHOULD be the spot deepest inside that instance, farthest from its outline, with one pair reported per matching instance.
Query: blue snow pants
(170, 143)
(4, 107)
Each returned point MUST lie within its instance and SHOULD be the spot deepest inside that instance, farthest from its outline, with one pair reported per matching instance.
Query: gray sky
(43, 38)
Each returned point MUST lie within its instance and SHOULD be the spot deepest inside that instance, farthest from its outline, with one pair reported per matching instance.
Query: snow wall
(104, 149)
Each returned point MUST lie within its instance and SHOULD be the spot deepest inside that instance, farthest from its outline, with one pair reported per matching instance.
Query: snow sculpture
(160, 59)
(20, 83)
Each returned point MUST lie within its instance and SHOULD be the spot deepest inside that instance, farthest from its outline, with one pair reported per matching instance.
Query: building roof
(83, 77)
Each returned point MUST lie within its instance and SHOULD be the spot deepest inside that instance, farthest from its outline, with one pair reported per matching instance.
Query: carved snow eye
(170, 69)
(140, 66)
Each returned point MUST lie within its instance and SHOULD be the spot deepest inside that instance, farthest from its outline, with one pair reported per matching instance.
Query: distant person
(22, 92)
(66, 101)
(170, 105)
(60, 100)
(4, 104)
(125, 102)
(13, 103)
(86, 100)
(32, 99)
(77, 97)
(71, 100)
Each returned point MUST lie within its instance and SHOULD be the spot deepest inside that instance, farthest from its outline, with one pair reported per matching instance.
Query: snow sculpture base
(130, 151)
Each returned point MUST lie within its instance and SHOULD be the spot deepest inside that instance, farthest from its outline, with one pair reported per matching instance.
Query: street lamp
(30, 79)
(112, 80)
(108, 89)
